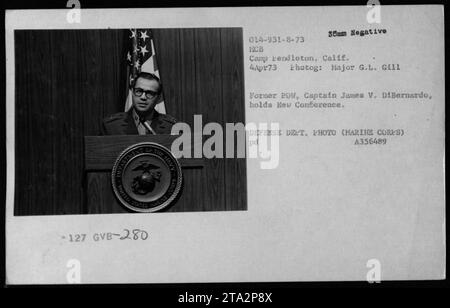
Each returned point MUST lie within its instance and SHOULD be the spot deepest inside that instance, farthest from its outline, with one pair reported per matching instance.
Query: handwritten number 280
(134, 234)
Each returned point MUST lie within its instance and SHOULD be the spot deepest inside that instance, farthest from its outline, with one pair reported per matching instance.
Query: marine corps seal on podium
(146, 177)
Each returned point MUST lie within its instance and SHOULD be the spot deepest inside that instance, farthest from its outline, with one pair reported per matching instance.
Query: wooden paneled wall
(68, 80)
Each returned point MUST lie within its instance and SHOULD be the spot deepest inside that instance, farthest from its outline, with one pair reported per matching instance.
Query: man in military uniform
(142, 118)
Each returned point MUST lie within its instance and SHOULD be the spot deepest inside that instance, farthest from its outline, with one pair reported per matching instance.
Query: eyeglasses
(148, 93)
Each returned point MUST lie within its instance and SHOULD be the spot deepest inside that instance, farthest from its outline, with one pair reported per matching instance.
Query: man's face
(147, 100)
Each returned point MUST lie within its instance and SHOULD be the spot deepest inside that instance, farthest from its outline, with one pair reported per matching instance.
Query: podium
(101, 152)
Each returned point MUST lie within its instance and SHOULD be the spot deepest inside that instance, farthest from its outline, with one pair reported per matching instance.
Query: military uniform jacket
(122, 123)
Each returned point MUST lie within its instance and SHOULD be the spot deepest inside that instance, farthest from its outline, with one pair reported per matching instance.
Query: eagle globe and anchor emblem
(145, 182)
(146, 177)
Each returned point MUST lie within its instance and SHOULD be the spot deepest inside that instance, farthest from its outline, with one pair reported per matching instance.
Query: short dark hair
(148, 76)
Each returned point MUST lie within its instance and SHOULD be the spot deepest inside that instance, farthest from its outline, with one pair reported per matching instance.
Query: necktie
(148, 127)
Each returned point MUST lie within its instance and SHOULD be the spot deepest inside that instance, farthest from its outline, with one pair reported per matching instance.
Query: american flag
(141, 57)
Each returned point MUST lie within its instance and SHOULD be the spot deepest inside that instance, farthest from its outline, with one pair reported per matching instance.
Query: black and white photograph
(80, 98)
(245, 146)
